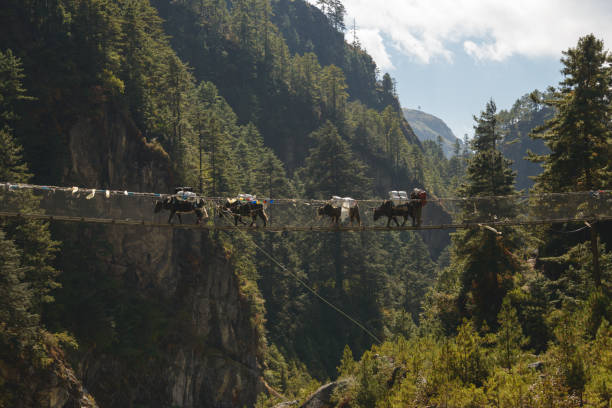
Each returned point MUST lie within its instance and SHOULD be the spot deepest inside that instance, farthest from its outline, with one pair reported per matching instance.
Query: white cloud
(487, 29)
(371, 40)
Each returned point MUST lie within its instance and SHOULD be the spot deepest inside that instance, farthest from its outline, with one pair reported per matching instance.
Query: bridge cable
(82, 190)
(311, 290)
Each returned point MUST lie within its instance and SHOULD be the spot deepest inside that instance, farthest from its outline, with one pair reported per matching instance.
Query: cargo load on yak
(418, 194)
(398, 197)
(249, 198)
(184, 194)
(345, 204)
(246, 197)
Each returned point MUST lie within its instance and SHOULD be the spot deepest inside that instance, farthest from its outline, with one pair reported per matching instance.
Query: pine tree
(488, 173)
(347, 363)
(17, 323)
(331, 168)
(336, 14)
(31, 235)
(11, 88)
(26, 253)
(387, 84)
(217, 144)
(485, 260)
(333, 93)
(393, 135)
(271, 178)
(509, 338)
(11, 166)
(579, 135)
(467, 359)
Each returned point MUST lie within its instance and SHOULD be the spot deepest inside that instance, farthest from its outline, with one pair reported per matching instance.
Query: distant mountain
(429, 127)
(515, 125)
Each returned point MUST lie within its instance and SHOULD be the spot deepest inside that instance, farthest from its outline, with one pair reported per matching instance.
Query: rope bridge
(113, 207)
(342, 228)
(116, 207)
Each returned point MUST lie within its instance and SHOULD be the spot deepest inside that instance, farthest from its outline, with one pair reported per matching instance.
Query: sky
(451, 56)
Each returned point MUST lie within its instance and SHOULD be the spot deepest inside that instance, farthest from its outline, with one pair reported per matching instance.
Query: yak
(238, 209)
(178, 207)
(391, 211)
(335, 212)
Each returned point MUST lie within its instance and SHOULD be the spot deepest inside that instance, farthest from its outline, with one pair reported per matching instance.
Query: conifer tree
(331, 168)
(32, 235)
(387, 84)
(485, 260)
(26, 252)
(579, 135)
(488, 173)
(333, 92)
(467, 360)
(347, 363)
(221, 162)
(336, 14)
(509, 338)
(335, 11)
(17, 322)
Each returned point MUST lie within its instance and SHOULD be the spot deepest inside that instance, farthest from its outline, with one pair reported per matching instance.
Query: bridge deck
(277, 228)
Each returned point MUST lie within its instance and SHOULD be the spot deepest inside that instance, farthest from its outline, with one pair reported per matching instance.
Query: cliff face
(54, 385)
(206, 356)
(180, 329)
(436, 240)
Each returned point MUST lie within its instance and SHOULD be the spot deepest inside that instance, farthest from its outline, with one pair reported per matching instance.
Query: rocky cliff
(159, 314)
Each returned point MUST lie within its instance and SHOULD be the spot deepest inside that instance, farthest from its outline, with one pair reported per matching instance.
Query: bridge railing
(116, 205)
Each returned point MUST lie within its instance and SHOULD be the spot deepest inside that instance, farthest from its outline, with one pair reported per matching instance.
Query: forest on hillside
(268, 97)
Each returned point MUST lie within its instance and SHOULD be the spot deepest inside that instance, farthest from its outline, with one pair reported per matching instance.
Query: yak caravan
(426, 212)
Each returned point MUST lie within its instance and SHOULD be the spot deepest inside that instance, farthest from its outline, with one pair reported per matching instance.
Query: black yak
(177, 206)
(239, 209)
(389, 210)
(335, 212)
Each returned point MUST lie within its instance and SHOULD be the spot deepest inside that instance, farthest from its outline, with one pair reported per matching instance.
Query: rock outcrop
(322, 398)
(208, 355)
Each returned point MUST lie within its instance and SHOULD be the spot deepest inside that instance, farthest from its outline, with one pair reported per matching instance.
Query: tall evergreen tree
(333, 93)
(483, 260)
(579, 135)
(217, 144)
(331, 168)
(488, 173)
(26, 253)
(509, 338)
(32, 235)
(17, 323)
(336, 14)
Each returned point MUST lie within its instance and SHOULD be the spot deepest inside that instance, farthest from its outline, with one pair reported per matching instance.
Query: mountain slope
(429, 127)
(516, 124)
(192, 92)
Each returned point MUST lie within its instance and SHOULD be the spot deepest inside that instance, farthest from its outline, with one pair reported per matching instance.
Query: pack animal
(238, 209)
(335, 212)
(178, 207)
(391, 211)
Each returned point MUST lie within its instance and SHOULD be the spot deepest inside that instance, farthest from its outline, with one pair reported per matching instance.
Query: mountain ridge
(428, 127)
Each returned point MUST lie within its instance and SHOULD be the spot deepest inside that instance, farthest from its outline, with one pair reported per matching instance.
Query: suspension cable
(78, 190)
(311, 290)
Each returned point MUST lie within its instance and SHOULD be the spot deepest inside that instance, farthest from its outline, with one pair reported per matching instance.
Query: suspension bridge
(116, 207)
(122, 207)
